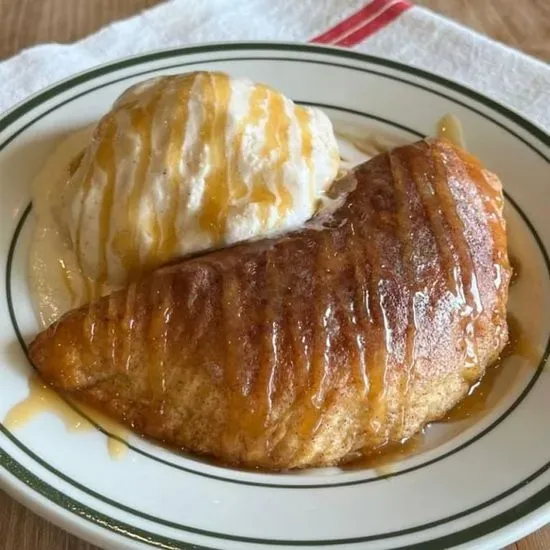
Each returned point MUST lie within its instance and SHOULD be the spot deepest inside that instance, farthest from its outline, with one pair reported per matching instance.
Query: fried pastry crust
(308, 348)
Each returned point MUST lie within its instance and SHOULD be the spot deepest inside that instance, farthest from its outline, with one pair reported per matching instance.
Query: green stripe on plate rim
(39, 98)
(468, 534)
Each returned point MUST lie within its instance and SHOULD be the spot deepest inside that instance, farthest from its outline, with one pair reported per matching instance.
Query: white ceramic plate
(478, 483)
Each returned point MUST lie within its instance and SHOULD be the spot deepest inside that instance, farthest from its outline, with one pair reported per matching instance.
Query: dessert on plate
(316, 319)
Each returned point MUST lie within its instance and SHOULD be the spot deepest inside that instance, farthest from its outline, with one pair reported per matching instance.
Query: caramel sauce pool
(450, 127)
(381, 461)
(475, 403)
(42, 399)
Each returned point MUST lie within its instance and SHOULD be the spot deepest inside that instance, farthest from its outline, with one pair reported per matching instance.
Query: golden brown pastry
(305, 349)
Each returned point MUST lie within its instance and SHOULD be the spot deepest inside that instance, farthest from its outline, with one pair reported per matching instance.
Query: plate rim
(52, 91)
(16, 111)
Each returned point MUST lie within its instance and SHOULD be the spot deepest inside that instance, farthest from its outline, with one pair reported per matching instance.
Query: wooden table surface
(521, 24)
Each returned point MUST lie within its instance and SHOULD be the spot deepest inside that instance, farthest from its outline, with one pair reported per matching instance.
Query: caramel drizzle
(237, 388)
(141, 120)
(436, 220)
(492, 205)
(217, 93)
(350, 307)
(425, 186)
(378, 358)
(224, 185)
(259, 193)
(169, 237)
(277, 139)
(360, 309)
(164, 354)
(465, 269)
(158, 338)
(270, 345)
(303, 118)
(347, 311)
(320, 347)
(300, 359)
(128, 323)
(256, 110)
(404, 234)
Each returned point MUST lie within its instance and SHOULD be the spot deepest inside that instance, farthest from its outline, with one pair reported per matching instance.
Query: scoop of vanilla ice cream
(190, 162)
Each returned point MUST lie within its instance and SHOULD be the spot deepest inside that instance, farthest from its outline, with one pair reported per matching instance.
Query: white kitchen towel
(392, 29)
